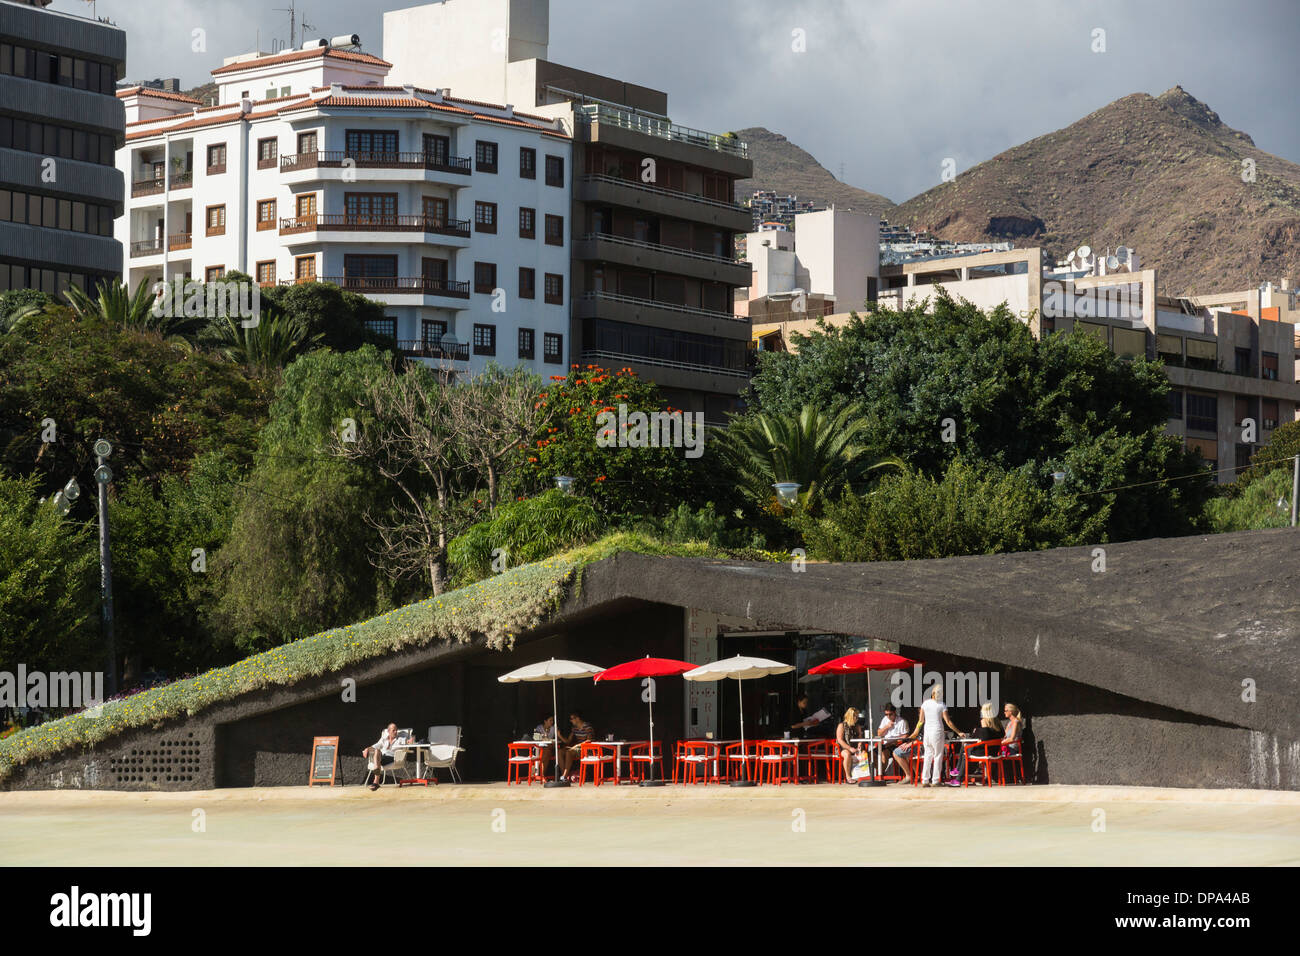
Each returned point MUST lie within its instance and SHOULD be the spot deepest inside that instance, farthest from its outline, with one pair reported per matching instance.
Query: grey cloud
(889, 88)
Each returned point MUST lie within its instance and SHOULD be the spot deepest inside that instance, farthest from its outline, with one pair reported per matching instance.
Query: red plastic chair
(1016, 760)
(984, 754)
(519, 756)
(599, 759)
(639, 761)
(694, 760)
(740, 761)
(824, 755)
(774, 756)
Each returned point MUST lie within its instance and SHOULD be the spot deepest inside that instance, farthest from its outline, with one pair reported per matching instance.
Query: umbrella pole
(555, 716)
(744, 756)
(652, 782)
(875, 780)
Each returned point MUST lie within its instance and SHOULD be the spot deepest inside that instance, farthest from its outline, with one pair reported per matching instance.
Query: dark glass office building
(60, 124)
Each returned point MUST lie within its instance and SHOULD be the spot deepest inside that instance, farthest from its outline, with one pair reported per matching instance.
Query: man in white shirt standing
(382, 751)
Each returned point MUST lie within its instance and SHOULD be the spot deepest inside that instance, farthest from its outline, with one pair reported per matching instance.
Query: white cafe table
(419, 770)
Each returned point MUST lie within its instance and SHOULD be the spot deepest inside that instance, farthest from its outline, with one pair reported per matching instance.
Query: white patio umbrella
(552, 671)
(739, 668)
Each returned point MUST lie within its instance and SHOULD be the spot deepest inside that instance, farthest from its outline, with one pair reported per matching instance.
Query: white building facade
(451, 213)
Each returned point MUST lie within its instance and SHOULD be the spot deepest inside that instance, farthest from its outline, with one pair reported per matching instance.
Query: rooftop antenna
(293, 22)
(306, 26)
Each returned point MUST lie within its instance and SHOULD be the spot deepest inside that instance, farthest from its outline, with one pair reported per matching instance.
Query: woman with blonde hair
(988, 731)
(844, 734)
(1015, 730)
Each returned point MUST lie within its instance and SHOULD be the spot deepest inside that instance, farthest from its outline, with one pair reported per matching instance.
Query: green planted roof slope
(497, 608)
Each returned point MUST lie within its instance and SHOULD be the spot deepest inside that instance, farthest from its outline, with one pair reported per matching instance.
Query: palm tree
(819, 450)
(114, 302)
(275, 341)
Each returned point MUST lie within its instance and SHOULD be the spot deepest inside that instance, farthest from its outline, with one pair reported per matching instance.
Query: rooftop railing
(662, 129)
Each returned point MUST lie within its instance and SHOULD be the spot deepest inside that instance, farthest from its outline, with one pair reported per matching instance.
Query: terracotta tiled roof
(541, 124)
(299, 55)
(156, 94)
(290, 104)
(196, 123)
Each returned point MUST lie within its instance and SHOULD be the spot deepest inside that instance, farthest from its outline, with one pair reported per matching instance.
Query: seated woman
(543, 732)
(579, 733)
(1015, 730)
(988, 730)
(844, 746)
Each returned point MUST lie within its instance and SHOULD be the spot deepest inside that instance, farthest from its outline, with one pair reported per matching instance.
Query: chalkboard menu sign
(324, 761)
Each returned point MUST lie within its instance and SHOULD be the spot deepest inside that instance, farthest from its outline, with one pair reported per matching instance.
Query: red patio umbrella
(860, 663)
(647, 667)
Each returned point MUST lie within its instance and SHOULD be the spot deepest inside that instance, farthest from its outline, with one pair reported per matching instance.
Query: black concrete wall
(1076, 733)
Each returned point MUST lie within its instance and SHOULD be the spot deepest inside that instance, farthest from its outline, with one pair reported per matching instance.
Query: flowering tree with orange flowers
(621, 481)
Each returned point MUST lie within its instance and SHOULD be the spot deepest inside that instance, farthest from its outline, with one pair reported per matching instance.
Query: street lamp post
(1295, 490)
(104, 475)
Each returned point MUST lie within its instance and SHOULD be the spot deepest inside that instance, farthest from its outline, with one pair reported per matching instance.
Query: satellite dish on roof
(1112, 263)
(1085, 252)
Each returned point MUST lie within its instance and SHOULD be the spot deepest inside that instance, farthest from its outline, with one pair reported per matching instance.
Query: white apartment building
(452, 213)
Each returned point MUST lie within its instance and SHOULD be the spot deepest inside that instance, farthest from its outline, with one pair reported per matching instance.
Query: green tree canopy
(298, 557)
(954, 381)
(65, 382)
(49, 597)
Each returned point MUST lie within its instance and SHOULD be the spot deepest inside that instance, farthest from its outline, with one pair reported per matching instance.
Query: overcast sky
(887, 88)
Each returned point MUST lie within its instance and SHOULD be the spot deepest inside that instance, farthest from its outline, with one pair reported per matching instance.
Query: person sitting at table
(1014, 731)
(579, 733)
(893, 728)
(380, 755)
(545, 731)
(846, 749)
(988, 730)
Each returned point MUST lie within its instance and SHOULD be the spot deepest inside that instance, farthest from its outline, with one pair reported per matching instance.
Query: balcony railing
(667, 306)
(401, 284)
(667, 193)
(435, 350)
(657, 247)
(154, 247)
(372, 223)
(333, 159)
(154, 186)
(596, 357)
(625, 119)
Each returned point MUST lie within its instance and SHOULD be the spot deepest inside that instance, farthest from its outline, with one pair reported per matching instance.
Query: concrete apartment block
(59, 126)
